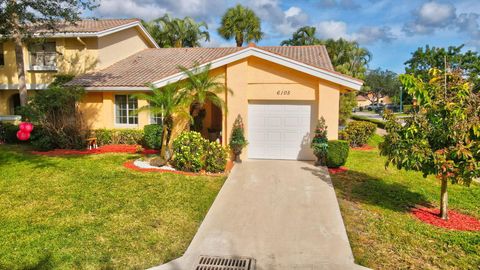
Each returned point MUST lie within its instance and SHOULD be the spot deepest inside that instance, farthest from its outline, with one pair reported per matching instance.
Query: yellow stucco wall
(120, 45)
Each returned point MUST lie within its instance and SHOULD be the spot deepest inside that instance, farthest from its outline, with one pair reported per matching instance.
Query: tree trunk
(239, 40)
(17, 39)
(163, 150)
(444, 199)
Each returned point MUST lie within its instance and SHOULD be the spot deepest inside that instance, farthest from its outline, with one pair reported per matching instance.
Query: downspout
(82, 42)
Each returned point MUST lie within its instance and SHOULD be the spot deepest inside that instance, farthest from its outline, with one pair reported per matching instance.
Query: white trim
(103, 33)
(275, 58)
(119, 88)
(33, 86)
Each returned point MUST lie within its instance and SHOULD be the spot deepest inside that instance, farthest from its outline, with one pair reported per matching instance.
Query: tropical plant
(215, 157)
(176, 32)
(199, 88)
(320, 142)
(442, 136)
(241, 23)
(17, 18)
(189, 151)
(237, 138)
(348, 57)
(168, 102)
(303, 36)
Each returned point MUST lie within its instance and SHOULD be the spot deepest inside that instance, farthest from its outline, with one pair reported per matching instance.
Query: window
(156, 119)
(2, 55)
(125, 107)
(43, 56)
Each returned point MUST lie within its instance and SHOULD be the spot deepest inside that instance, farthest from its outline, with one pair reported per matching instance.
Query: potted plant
(237, 139)
(320, 142)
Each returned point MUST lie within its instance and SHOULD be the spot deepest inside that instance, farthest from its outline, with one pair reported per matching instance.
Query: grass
(89, 212)
(375, 204)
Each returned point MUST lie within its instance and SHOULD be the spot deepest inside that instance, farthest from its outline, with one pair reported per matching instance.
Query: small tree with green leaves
(320, 142)
(237, 139)
(441, 137)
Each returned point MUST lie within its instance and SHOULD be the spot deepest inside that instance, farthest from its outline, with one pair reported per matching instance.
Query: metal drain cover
(224, 263)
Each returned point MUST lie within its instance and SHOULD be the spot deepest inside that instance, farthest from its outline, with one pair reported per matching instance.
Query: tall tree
(241, 23)
(348, 57)
(379, 84)
(176, 32)
(20, 19)
(303, 36)
(442, 136)
(424, 59)
(167, 102)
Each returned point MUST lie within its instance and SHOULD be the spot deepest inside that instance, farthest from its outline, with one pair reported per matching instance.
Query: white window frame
(120, 125)
(42, 54)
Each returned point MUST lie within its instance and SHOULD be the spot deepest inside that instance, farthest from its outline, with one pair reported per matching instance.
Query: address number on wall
(283, 92)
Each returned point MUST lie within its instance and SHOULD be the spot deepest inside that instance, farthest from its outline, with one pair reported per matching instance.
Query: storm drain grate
(224, 263)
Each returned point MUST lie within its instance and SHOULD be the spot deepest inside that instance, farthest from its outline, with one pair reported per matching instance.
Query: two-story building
(86, 46)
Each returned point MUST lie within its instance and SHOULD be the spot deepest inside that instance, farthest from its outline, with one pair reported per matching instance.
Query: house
(280, 92)
(87, 46)
(363, 101)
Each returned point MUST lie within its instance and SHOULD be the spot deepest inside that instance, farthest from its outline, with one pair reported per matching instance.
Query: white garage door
(279, 131)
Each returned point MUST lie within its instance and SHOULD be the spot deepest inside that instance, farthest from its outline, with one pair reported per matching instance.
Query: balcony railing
(43, 61)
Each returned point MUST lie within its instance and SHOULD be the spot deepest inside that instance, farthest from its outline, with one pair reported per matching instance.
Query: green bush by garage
(337, 153)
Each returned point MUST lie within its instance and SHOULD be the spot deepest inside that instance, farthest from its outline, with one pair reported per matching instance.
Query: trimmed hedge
(379, 123)
(337, 153)
(152, 136)
(118, 136)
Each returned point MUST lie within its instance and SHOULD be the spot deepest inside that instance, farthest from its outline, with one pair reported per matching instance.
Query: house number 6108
(283, 92)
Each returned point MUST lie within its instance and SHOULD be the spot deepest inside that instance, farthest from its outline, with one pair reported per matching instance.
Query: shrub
(237, 139)
(215, 158)
(152, 136)
(40, 140)
(407, 108)
(189, 151)
(378, 122)
(8, 133)
(319, 141)
(118, 136)
(357, 133)
(337, 153)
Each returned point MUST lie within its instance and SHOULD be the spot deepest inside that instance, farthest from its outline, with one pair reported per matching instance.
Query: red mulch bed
(337, 170)
(113, 148)
(130, 165)
(364, 148)
(456, 221)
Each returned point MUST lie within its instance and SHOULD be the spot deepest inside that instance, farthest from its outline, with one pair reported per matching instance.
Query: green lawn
(89, 212)
(375, 206)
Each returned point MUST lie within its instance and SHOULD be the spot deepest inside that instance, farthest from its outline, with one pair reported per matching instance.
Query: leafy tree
(176, 32)
(168, 102)
(303, 36)
(17, 18)
(424, 59)
(241, 23)
(380, 83)
(441, 137)
(348, 101)
(200, 87)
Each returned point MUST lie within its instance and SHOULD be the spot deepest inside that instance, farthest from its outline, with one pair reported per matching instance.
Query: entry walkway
(282, 213)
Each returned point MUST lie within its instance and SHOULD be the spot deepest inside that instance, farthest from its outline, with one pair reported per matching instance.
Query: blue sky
(391, 30)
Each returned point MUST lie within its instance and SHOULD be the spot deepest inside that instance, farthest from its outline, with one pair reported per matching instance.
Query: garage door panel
(283, 133)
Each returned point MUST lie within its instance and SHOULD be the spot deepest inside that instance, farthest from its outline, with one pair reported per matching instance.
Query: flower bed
(456, 221)
(131, 165)
(114, 148)
(337, 170)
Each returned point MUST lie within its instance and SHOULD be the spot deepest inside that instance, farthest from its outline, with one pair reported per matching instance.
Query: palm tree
(242, 24)
(176, 32)
(348, 57)
(303, 36)
(168, 102)
(200, 88)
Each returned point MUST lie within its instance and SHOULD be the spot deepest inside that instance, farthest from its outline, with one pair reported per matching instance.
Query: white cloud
(129, 8)
(431, 16)
(364, 35)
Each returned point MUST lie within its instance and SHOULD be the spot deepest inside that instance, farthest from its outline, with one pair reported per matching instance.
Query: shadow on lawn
(362, 188)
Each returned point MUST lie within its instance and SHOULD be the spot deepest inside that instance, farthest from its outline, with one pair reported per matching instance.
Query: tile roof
(152, 65)
(91, 25)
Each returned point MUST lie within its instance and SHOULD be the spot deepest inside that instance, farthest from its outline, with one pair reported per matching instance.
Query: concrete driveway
(282, 213)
